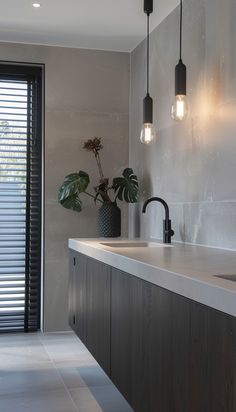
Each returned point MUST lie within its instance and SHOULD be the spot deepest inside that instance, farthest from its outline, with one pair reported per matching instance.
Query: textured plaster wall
(86, 95)
(193, 164)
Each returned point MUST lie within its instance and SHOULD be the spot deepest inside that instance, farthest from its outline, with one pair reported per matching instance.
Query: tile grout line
(80, 387)
(65, 388)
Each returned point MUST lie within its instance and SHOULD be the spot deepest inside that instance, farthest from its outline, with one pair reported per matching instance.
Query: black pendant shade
(180, 78)
(147, 109)
(148, 6)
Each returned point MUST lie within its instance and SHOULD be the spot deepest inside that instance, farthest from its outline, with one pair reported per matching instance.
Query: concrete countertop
(187, 270)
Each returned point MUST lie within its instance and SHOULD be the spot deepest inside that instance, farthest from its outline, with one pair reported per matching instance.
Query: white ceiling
(96, 24)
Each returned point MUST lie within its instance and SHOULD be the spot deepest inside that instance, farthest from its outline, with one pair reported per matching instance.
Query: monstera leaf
(72, 202)
(73, 185)
(126, 187)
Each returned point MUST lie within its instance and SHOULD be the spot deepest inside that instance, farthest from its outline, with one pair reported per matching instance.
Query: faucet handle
(168, 231)
(171, 232)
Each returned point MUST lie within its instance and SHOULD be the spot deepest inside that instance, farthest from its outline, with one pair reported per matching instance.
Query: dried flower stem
(98, 160)
(94, 145)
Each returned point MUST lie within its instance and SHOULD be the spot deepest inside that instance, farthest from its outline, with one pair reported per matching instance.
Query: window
(20, 196)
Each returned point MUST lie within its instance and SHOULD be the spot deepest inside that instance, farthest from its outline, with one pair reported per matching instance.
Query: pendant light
(148, 133)
(180, 109)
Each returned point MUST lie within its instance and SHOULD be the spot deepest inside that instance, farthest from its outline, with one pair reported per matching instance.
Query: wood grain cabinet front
(77, 294)
(98, 312)
(89, 305)
(71, 291)
(164, 352)
(170, 354)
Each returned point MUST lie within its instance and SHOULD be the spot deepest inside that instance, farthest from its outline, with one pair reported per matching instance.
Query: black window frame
(34, 75)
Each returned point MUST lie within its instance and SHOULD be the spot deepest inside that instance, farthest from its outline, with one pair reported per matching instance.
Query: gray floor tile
(41, 402)
(94, 376)
(110, 399)
(67, 337)
(20, 353)
(80, 376)
(63, 348)
(70, 376)
(83, 359)
(53, 373)
(85, 401)
(43, 377)
(14, 339)
(100, 399)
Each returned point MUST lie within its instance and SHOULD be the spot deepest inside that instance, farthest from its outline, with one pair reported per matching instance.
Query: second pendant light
(180, 108)
(148, 132)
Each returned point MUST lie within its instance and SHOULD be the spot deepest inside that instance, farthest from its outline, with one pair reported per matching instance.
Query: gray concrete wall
(192, 165)
(87, 94)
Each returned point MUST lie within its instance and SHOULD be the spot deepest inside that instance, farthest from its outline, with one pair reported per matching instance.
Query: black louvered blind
(20, 196)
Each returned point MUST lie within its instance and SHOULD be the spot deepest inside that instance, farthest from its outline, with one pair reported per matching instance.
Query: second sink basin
(232, 278)
(127, 244)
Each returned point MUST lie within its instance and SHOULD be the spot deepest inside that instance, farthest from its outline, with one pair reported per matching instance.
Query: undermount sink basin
(232, 278)
(134, 244)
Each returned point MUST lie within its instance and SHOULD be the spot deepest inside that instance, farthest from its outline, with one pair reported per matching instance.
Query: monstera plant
(123, 188)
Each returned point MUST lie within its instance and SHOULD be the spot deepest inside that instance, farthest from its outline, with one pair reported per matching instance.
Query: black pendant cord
(180, 69)
(181, 29)
(147, 101)
(148, 52)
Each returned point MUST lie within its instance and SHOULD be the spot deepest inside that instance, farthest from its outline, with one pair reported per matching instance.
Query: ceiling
(95, 24)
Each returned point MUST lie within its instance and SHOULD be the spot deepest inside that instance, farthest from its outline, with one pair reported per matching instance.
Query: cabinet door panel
(71, 290)
(80, 296)
(98, 312)
(121, 333)
(141, 343)
(221, 362)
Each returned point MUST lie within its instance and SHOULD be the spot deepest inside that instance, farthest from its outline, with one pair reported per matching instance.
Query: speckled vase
(109, 220)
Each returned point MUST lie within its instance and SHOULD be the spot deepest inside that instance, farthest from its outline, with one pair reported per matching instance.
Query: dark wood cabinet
(89, 305)
(141, 341)
(168, 352)
(77, 294)
(98, 312)
(71, 291)
(80, 306)
(164, 352)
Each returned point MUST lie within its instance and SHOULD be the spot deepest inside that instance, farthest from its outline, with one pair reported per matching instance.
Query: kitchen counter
(183, 269)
